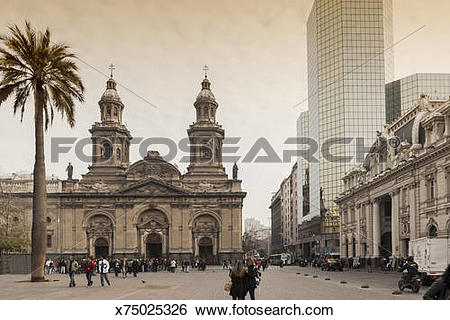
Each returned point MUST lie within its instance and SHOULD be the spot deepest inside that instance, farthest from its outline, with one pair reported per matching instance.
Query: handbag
(227, 286)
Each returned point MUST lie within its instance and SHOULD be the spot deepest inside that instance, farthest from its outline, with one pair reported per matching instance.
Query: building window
(49, 220)
(118, 154)
(432, 231)
(106, 151)
(49, 241)
(431, 189)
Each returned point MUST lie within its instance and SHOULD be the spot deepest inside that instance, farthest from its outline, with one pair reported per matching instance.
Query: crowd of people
(120, 267)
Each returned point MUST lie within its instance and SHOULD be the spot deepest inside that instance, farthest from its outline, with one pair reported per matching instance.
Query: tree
(13, 235)
(31, 63)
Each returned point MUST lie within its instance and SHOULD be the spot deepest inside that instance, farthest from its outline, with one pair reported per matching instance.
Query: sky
(256, 53)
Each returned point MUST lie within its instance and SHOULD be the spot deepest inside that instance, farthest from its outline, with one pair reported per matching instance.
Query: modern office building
(349, 62)
(403, 94)
(302, 163)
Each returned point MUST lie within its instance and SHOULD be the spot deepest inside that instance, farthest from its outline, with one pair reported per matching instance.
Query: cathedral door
(101, 248)
(205, 249)
(153, 246)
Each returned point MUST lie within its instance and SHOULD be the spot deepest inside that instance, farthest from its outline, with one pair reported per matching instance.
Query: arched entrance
(153, 233)
(205, 238)
(101, 248)
(153, 246)
(205, 249)
(99, 235)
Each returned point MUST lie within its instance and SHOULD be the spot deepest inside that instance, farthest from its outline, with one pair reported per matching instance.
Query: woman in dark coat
(250, 277)
(237, 275)
(440, 289)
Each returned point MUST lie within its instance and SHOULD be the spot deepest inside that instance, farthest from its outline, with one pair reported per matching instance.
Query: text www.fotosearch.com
(175, 309)
(246, 310)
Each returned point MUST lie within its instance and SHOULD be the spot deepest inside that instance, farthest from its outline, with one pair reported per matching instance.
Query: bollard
(343, 282)
(306, 274)
(327, 279)
(396, 292)
(365, 286)
(315, 277)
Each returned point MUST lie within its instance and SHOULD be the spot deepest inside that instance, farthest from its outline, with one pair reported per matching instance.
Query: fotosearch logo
(212, 149)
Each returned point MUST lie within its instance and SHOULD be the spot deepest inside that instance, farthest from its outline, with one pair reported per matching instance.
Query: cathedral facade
(147, 208)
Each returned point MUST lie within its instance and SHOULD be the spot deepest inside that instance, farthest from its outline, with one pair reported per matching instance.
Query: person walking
(89, 268)
(124, 268)
(369, 265)
(440, 289)
(62, 265)
(250, 277)
(135, 267)
(104, 269)
(72, 268)
(237, 275)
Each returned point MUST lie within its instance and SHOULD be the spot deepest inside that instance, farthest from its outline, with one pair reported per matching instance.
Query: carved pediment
(153, 225)
(153, 220)
(153, 187)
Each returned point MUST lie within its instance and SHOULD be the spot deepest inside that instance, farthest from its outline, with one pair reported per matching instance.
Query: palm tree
(31, 63)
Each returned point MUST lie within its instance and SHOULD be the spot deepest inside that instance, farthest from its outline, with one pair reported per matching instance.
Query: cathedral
(148, 208)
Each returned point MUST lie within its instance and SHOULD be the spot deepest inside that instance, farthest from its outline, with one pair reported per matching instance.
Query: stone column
(342, 234)
(395, 221)
(358, 230)
(143, 246)
(215, 246)
(412, 211)
(165, 244)
(376, 228)
(369, 229)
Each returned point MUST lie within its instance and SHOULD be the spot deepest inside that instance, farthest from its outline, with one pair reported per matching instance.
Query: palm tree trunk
(39, 226)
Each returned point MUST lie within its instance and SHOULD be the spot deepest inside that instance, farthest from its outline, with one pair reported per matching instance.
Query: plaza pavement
(288, 283)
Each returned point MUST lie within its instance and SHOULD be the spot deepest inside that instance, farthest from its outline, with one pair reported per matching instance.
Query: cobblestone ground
(288, 283)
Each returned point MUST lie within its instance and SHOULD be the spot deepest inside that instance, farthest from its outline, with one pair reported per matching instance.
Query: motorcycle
(413, 283)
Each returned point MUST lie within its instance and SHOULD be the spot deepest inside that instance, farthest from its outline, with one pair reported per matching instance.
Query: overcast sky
(256, 52)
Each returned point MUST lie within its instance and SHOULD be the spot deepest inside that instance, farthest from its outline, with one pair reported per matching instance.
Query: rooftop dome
(205, 95)
(110, 93)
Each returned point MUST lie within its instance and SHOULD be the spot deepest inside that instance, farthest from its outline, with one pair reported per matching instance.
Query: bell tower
(206, 137)
(110, 138)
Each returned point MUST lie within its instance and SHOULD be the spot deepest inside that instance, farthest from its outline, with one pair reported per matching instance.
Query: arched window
(106, 150)
(116, 113)
(432, 231)
(118, 154)
(49, 220)
(108, 111)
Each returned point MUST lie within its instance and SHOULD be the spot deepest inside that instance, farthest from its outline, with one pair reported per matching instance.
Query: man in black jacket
(411, 267)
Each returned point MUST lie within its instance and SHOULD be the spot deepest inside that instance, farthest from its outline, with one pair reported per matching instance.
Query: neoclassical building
(147, 208)
(402, 190)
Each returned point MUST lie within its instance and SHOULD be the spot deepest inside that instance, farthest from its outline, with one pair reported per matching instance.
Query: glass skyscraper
(350, 59)
(302, 164)
(403, 94)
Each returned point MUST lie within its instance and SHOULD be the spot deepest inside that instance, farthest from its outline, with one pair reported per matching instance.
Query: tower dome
(206, 95)
(110, 94)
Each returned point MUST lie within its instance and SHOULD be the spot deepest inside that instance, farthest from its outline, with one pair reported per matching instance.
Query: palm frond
(30, 60)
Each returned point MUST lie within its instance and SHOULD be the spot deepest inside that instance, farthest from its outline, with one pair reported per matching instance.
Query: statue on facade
(69, 171)
(235, 171)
